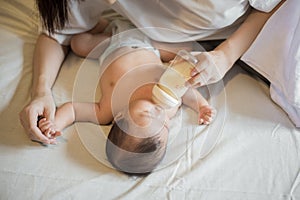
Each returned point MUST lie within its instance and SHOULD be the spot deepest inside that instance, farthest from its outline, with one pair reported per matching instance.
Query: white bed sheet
(257, 156)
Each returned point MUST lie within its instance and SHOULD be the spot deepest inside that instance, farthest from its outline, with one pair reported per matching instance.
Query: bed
(257, 155)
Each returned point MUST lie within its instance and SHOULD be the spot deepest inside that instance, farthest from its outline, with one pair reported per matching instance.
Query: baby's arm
(64, 117)
(71, 112)
(193, 99)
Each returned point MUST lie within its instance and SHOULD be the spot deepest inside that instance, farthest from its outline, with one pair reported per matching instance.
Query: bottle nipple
(171, 86)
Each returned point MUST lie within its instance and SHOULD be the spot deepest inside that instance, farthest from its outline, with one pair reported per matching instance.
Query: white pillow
(276, 55)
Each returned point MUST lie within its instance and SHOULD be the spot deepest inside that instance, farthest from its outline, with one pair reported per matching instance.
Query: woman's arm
(212, 66)
(47, 60)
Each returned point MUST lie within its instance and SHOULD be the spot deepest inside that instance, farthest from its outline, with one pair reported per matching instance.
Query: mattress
(256, 155)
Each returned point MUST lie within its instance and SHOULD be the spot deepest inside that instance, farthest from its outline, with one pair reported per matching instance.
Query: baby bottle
(171, 86)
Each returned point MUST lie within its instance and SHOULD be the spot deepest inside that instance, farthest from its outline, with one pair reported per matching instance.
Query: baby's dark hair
(54, 13)
(132, 155)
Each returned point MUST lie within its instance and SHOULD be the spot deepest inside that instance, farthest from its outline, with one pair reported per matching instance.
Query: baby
(138, 138)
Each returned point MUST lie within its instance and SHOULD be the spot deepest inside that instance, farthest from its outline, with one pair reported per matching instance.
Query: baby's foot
(48, 128)
(206, 114)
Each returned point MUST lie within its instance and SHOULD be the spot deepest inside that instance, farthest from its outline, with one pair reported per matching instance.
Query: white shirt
(186, 19)
(198, 19)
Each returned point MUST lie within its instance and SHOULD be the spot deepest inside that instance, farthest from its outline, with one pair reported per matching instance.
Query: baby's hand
(206, 114)
(48, 128)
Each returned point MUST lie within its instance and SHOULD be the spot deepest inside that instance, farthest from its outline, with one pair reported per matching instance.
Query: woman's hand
(210, 68)
(39, 106)
(47, 59)
(213, 65)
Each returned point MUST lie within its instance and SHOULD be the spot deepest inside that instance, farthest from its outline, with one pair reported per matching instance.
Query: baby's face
(150, 117)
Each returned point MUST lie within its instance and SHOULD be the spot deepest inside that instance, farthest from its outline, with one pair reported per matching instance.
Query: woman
(239, 24)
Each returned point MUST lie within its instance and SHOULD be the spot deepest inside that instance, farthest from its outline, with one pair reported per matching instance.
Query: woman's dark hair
(54, 13)
(132, 155)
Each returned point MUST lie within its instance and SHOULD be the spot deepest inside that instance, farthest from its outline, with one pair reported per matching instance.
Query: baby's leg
(82, 44)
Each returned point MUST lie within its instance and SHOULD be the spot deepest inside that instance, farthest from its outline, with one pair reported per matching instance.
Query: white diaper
(125, 34)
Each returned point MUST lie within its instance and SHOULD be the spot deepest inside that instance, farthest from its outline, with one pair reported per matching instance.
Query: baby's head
(137, 140)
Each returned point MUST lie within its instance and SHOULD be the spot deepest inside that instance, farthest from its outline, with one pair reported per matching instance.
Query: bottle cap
(162, 98)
